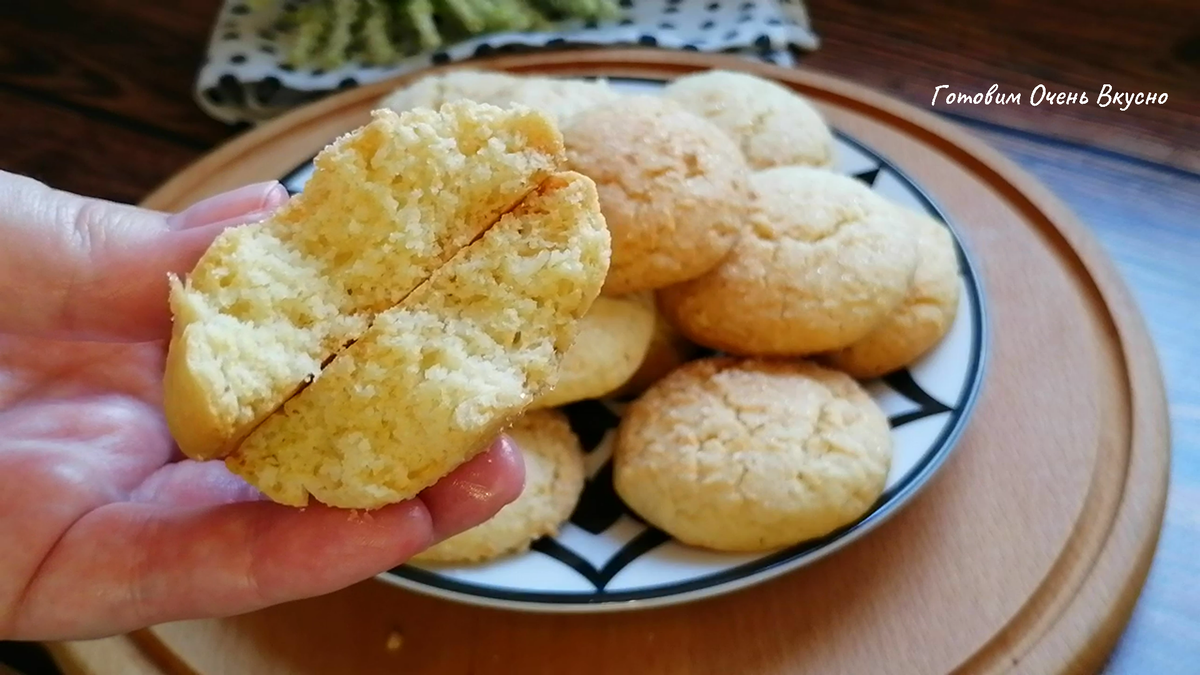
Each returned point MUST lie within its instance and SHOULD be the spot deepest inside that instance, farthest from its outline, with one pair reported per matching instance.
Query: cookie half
(554, 479)
(749, 455)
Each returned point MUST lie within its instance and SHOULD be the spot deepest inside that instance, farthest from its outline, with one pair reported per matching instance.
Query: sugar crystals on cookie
(823, 262)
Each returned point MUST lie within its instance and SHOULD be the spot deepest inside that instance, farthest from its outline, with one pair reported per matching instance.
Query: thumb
(87, 269)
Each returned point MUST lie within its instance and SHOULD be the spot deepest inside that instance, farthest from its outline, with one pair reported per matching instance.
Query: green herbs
(328, 34)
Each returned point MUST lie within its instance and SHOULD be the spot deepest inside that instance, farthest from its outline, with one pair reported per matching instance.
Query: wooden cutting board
(1024, 555)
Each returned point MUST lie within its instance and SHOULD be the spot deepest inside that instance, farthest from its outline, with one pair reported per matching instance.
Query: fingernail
(276, 196)
(239, 203)
(506, 445)
(218, 226)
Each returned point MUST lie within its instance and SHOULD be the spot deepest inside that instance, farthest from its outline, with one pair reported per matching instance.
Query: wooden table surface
(96, 98)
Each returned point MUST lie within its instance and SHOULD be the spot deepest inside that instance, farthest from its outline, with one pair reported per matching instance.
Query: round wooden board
(1025, 554)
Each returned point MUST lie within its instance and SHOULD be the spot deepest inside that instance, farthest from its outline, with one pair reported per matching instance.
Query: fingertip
(477, 490)
(244, 204)
(275, 197)
(510, 467)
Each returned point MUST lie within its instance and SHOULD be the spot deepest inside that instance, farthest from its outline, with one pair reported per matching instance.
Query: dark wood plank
(136, 60)
(66, 149)
(139, 60)
(1145, 218)
(908, 48)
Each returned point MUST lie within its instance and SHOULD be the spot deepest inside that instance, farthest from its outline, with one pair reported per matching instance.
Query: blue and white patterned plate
(606, 559)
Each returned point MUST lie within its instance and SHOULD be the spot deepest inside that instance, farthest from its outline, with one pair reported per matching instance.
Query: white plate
(606, 559)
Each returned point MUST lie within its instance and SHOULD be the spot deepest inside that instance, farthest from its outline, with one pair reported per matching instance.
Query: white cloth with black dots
(245, 80)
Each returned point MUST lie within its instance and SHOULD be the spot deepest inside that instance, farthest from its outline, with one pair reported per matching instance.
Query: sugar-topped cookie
(558, 98)
(823, 262)
(749, 455)
(921, 321)
(672, 189)
(773, 125)
(612, 342)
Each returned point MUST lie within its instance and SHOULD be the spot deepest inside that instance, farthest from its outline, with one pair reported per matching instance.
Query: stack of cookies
(731, 234)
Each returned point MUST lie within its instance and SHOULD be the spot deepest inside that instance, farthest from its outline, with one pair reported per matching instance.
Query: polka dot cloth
(244, 80)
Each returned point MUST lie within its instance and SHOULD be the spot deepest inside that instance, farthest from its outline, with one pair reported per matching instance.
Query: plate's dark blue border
(888, 504)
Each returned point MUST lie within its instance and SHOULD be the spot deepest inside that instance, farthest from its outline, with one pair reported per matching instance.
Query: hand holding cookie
(108, 529)
(391, 320)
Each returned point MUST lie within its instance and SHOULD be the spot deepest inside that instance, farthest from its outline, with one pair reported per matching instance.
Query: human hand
(105, 528)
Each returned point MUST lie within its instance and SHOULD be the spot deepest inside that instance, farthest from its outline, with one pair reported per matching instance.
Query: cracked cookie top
(922, 319)
(823, 262)
(557, 97)
(748, 455)
(673, 188)
(773, 125)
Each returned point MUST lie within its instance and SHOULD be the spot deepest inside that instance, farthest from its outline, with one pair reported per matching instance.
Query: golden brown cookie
(824, 262)
(554, 479)
(672, 189)
(558, 98)
(668, 350)
(922, 319)
(750, 455)
(773, 125)
(612, 342)
(431, 91)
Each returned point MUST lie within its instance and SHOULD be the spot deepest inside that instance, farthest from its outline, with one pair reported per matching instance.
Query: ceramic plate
(606, 559)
